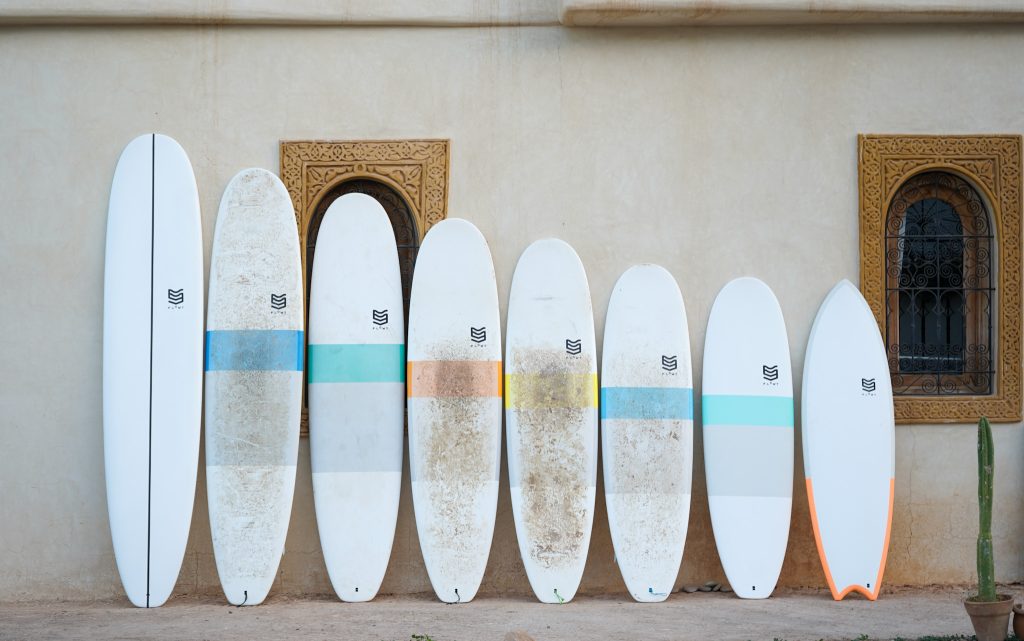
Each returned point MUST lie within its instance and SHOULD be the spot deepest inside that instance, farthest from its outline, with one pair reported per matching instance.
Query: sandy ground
(790, 615)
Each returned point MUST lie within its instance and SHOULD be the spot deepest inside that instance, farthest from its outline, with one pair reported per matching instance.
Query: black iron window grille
(939, 288)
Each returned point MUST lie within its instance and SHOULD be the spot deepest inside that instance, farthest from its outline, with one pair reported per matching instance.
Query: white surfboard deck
(849, 442)
(356, 378)
(647, 429)
(551, 416)
(454, 400)
(254, 359)
(152, 363)
(747, 409)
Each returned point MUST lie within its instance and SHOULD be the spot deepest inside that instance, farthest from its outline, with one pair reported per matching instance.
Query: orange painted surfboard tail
(837, 593)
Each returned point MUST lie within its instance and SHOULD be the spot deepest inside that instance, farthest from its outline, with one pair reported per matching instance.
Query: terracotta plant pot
(990, 619)
(1018, 621)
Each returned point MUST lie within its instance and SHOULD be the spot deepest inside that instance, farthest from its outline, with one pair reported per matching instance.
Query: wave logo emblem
(867, 385)
(278, 301)
(573, 347)
(669, 363)
(380, 317)
(478, 334)
(176, 296)
(770, 373)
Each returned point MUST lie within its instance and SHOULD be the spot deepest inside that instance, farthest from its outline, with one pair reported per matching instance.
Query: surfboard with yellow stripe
(453, 379)
(551, 416)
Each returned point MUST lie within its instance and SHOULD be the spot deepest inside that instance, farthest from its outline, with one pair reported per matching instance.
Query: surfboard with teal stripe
(356, 379)
(747, 412)
(357, 363)
(646, 410)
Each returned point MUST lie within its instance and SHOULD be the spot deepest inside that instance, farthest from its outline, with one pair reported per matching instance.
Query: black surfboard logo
(380, 317)
(478, 334)
(573, 347)
(867, 385)
(669, 363)
(278, 301)
(176, 296)
(770, 373)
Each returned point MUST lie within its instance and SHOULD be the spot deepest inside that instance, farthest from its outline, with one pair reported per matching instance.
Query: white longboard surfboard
(551, 416)
(747, 408)
(647, 429)
(849, 443)
(356, 377)
(454, 398)
(254, 359)
(152, 363)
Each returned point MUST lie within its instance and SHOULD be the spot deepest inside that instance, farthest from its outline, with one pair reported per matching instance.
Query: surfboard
(454, 400)
(254, 363)
(356, 393)
(849, 443)
(152, 363)
(747, 409)
(647, 429)
(551, 416)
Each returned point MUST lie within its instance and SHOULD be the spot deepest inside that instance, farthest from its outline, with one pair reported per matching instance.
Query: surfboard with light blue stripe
(647, 429)
(356, 363)
(654, 403)
(262, 350)
(747, 411)
(734, 409)
(254, 361)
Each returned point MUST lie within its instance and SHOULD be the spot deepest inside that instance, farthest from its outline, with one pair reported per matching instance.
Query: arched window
(939, 288)
(408, 177)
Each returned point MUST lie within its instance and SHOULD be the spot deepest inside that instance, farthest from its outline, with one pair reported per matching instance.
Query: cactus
(986, 464)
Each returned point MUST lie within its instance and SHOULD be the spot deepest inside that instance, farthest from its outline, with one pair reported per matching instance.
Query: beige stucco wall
(715, 152)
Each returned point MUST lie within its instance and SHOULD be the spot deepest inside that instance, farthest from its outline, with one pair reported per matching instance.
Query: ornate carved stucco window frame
(416, 169)
(992, 164)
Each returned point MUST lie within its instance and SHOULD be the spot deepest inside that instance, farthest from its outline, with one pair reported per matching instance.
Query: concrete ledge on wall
(631, 13)
(294, 12)
(455, 13)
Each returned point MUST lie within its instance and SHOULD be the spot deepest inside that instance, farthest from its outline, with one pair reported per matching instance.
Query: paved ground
(790, 615)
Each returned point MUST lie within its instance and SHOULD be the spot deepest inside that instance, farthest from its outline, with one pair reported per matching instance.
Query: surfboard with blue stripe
(254, 368)
(647, 429)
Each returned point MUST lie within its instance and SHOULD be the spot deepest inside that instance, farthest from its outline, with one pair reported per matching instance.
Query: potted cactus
(989, 612)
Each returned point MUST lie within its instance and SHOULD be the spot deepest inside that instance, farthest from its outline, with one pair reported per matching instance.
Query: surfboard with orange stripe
(453, 379)
(849, 443)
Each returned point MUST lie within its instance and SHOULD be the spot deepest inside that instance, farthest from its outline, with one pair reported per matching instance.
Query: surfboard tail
(840, 593)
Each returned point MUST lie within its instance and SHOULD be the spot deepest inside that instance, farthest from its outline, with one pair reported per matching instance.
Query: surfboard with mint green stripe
(254, 363)
(356, 377)
(747, 411)
(647, 429)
